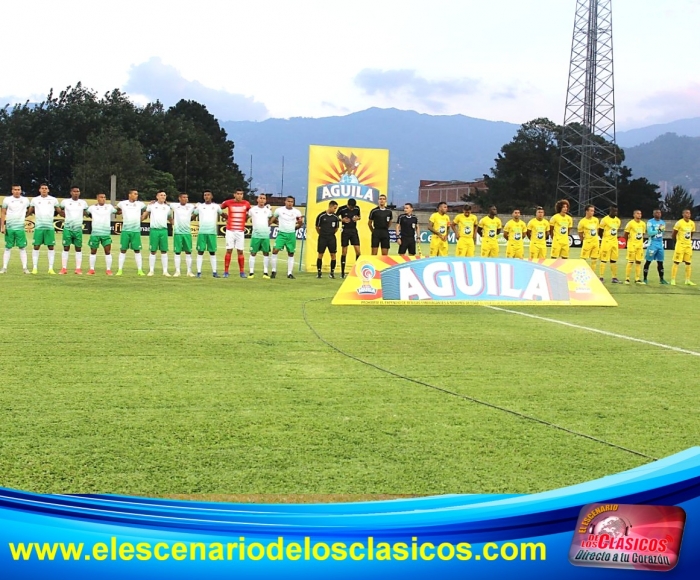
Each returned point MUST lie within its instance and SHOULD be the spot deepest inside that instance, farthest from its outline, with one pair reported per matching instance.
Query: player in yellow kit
(515, 231)
(588, 231)
(683, 235)
(634, 234)
(464, 226)
(537, 231)
(489, 227)
(561, 223)
(439, 225)
(608, 230)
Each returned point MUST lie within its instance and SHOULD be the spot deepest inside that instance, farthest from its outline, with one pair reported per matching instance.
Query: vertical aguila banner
(339, 174)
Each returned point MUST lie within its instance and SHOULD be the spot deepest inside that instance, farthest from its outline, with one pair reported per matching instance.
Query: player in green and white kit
(73, 210)
(260, 240)
(290, 220)
(158, 235)
(44, 208)
(101, 235)
(12, 216)
(130, 237)
(208, 214)
(182, 232)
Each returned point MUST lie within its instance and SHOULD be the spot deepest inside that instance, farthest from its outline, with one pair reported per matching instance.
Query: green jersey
(208, 217)
(131, 213)
(260, 218)
(16, 212)
(101, 219)
(160, 212)
(182, 218)
(44, 210)
(74, 214)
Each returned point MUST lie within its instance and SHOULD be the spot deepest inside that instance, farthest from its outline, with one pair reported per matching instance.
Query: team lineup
(599, 236)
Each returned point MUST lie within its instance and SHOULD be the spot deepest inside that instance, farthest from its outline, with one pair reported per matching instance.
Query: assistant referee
(327, 224)
(379, 222)
(407, 230)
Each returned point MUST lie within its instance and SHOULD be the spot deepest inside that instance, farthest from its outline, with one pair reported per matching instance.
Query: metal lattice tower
(589, 156)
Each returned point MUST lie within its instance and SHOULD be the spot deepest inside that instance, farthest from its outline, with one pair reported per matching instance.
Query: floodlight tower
(589, 156)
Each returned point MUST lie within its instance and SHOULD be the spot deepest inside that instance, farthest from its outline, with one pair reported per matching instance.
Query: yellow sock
(687, 272)
(638, 271)
(674, 271)
(602, 269)
(594, 263)
(628, 270)
(613, 267)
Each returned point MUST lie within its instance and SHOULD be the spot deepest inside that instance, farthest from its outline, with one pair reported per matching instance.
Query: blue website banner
(454, 536)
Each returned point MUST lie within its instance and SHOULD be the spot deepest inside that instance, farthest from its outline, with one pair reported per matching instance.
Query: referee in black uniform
(379, 222)
(327, 224)
(407, 230)
(349, 216)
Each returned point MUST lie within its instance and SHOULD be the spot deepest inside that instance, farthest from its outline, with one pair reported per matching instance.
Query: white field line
(598, 331)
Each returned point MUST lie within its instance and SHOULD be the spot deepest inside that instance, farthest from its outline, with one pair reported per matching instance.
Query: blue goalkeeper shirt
(655, 231)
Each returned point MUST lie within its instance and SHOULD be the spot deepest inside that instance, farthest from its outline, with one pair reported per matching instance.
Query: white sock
(64, 259)
(151, 262)
(23, 258)
(266, 263)
(177, 262)
(35, 258)
(290, 264)
(108, 260)
(139, 261)
(52, 257)
(164, 262)
(274, 262)
(122, 259)
(212, 261)
(251, 264)
(6, 258)
(200, 259)
(78, 260)
(93, 260)
(188, 263)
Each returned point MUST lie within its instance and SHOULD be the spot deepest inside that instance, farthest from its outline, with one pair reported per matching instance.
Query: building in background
(430, 193)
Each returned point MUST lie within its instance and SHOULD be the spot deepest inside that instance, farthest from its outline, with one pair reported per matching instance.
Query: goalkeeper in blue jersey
(655, 250)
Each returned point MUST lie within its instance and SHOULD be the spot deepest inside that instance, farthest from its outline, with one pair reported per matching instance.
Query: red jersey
(237, 214)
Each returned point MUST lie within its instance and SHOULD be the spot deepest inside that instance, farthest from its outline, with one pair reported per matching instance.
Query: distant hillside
(669, 157)
(633, 137)
(421, 147)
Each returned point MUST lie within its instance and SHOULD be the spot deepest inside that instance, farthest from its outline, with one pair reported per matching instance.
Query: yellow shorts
(591, 249)
(609, 251)
(682, 255)
(438, 247)
(517, 252)
(538, 252)
(489, 250)
(560, 249)
(465, 247)
(635, 253)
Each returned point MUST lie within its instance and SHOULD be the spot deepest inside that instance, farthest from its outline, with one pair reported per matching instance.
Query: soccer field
(202, 386)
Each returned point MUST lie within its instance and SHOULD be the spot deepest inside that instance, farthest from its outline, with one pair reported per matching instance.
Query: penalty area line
(598, 331)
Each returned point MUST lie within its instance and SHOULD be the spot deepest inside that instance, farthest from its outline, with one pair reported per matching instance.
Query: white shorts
(235, 240)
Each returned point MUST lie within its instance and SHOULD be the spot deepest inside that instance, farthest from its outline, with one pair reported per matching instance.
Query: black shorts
(407, 245)
(381, 238)
(329, 243)
(349, 238)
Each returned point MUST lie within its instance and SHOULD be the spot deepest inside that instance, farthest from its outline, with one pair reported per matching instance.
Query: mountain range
(432, 147)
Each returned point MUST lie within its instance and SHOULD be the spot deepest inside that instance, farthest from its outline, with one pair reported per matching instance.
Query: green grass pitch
(182, 386)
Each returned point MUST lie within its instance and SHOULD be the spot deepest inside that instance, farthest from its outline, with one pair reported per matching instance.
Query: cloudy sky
(250, 60)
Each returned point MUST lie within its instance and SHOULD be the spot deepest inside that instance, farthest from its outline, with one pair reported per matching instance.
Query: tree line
(527, 168)
(80, 138)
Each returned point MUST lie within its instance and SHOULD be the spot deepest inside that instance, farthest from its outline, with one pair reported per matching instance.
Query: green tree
(676, 201)
(637, 193)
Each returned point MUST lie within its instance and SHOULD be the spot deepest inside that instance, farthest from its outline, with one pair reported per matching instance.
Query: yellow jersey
(440, 223)
(466, 225)
(561, 225)
(589, 228)
(538, 231)
(636, 233)
(611, 227)
(685, 231)
(489, 228)
(516, 232)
